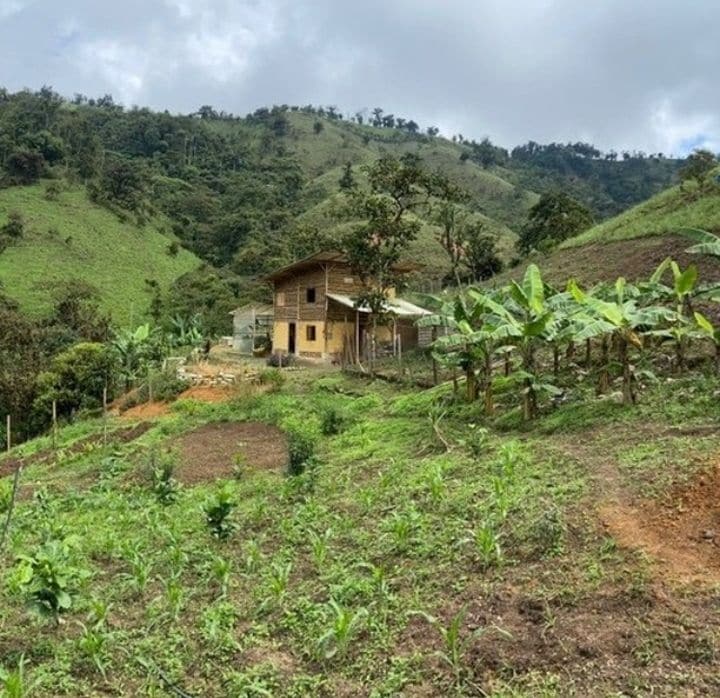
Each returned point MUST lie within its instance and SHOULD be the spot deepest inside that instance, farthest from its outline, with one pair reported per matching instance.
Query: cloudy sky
(636, 74)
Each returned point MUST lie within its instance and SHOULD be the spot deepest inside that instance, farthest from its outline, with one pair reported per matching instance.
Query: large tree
(554, 218)
(397, 187)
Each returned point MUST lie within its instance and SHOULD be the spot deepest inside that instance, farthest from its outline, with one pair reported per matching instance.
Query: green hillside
(72, 238)
(415, 557)
(635, 242)
(247, 194)
(663, 214)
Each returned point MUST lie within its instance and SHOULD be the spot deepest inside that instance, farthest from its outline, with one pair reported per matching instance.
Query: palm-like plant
(135, 350)
(522, 322)
(705, 243)
(680, 327)
(623, 319)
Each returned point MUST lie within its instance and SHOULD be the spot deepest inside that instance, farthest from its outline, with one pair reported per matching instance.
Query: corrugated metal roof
(395, 306)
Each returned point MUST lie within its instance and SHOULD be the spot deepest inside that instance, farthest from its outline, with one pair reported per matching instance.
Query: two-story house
(315, 314)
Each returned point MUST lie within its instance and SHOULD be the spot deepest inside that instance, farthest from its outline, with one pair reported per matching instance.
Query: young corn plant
(345, 626)
(14, 682)
(220, 569)
(485, 541)
(455, 643)
(92, 644)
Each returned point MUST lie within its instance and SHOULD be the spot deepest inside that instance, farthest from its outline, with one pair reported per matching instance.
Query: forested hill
(246, 194)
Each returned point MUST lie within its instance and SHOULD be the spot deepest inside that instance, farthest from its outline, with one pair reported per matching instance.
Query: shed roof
(264, 309)
(394, 306)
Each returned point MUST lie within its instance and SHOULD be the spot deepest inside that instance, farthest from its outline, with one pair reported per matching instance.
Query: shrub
(280, 360)
(272, 377)
(333, 421)
(301, 447)
(15, 227)
(218, 511)
(52, 191)
(50, 579)
(165, 486)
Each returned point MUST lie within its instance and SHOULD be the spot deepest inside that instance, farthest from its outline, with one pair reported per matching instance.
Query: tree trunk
(588, 352)
(570, 354)
(627, 387)
(529, 395)
(556, 360)
(471, 380)
(604, 377)
(507, 364)
(717, 357)
(679, 355)
(489, 401)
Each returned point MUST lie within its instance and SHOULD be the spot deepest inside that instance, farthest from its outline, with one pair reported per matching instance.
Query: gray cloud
(621, 74)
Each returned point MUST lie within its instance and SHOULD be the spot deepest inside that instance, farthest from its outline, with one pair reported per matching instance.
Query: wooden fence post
(105, 416)
(54, 425)
(8, 437)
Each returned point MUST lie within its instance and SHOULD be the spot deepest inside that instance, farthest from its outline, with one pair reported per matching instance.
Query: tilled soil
(215, 450)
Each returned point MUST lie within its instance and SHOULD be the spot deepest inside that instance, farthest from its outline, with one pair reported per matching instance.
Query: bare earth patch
(681, 532)
(213, 451)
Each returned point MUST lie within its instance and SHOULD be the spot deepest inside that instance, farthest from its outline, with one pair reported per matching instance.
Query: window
(310, 333)
(348, 280)
(280, 298)
(310, 295)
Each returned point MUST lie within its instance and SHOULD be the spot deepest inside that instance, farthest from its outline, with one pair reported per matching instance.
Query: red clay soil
(201, 393)
(124, 435)
(681, 532)
(215, 450)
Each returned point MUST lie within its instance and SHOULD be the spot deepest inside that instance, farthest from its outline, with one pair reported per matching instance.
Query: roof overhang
(329, 257)
(394, 306)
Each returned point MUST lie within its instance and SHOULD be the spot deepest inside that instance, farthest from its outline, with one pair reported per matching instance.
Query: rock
(709, 534)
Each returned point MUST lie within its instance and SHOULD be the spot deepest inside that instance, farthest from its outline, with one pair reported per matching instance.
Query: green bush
(164, 485)
(333, 421)
(218, 511)
(272, 377)
(301, 447)
(76, 380)
(50, 578)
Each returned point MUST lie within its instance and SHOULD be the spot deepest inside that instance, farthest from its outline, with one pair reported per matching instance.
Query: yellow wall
(280, 336)
(281, 331)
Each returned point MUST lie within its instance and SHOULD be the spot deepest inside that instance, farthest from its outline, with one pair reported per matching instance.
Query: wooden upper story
(300, 289)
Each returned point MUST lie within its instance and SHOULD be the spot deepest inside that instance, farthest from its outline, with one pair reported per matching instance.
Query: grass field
(71, 238)
(663, 214)
(421, 553)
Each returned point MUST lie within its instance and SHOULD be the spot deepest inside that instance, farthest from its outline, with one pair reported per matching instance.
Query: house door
(291, 338)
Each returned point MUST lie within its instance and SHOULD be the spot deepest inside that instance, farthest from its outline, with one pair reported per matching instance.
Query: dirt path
(679, 532)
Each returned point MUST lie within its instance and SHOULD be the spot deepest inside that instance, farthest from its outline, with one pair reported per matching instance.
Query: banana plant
(680, 328)
(705, 243)
(468, 344)
(707, 329)
(135, 350)
(624, 320)
(522, 321)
